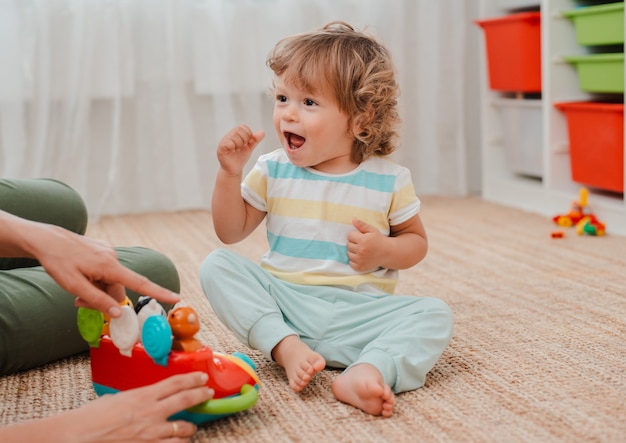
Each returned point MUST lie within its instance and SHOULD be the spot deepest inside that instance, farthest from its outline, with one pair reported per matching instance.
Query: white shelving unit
(552, 192)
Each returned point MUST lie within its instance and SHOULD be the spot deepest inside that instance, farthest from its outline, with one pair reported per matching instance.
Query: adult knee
(46, 201)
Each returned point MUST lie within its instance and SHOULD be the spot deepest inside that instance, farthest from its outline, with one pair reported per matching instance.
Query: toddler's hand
(235, 148)
(364, 246)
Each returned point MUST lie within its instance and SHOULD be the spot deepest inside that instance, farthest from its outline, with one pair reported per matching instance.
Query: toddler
(341, 220)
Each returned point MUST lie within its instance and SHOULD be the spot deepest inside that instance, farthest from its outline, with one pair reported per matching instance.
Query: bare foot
(301, 363)
(363, 386)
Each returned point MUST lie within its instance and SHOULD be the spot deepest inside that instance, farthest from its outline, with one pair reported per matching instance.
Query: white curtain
(125, 100)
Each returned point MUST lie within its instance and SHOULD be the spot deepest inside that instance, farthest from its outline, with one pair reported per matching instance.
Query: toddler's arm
(233, 218)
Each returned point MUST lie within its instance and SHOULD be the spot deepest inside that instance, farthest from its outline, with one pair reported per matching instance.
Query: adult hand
(84, 267)
(141, 414)
(135, 415)
(90, 270)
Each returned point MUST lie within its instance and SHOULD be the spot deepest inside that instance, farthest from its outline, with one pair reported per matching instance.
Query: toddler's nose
(290, 113)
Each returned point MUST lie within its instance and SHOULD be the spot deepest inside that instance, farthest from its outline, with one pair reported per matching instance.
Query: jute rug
(538, 353)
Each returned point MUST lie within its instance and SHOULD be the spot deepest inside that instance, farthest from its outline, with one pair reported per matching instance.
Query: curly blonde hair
(357, 70)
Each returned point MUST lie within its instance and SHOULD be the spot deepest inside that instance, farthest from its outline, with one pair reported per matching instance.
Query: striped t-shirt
(309, 216)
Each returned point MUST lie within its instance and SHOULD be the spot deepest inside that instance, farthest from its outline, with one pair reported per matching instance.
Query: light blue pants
(401, 335)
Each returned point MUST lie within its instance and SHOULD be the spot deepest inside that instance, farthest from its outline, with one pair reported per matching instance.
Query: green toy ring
(229, 405)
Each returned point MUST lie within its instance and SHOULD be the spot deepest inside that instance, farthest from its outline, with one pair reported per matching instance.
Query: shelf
(551, 190)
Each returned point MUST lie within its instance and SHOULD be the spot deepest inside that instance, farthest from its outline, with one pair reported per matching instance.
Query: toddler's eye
(309, 102)
(281, 98)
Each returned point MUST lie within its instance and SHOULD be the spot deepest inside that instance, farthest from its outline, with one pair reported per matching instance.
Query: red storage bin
(513, 45)
(596, 140)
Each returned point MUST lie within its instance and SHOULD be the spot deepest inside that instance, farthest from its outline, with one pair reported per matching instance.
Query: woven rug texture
(538, 353)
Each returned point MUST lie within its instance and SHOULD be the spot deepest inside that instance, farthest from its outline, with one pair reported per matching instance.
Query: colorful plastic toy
(581, 216)
(577, 211)
(126, 359)
(590, 225)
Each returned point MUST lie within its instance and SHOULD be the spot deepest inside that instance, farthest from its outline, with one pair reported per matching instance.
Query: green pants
(37, 317)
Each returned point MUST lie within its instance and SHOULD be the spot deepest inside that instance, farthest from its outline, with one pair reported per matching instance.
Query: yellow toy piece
(563, 221)
(580, 226)
(583, 195)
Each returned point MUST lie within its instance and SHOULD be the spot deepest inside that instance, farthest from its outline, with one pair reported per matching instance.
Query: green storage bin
(509, 5)
(600, 72)
(598, 25)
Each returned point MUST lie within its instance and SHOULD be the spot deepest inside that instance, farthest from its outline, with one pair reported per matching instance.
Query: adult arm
(84, 267)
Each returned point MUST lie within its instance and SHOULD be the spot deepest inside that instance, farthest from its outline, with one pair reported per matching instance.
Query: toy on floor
(138, 349)
(581, 216)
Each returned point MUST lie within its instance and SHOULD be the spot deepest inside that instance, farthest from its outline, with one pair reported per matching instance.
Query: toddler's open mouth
(294, 140)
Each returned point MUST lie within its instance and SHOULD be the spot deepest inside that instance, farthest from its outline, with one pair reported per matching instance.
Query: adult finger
(178, 430)
(182, 391)
(140, 284)
(91, 295)
(116, 291)
(179, 382)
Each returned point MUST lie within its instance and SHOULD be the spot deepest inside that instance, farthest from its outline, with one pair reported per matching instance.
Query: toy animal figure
(121, 361)
(124, 331)
(125, 302)
(184, 323)
(146, 307)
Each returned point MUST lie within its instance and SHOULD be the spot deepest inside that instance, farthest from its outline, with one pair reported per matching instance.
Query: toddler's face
(313, 130)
